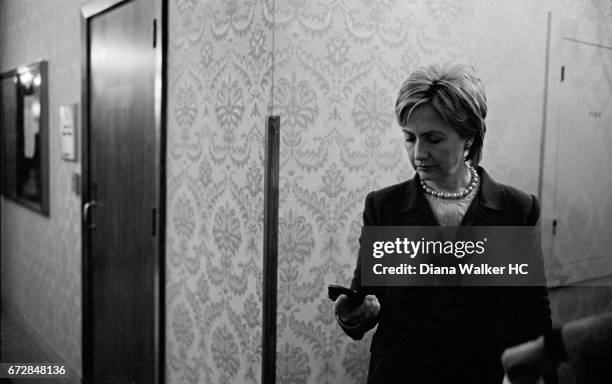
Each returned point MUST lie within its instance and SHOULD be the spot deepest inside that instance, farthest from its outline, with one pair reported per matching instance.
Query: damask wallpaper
(331, 69)
(220, 80)
(41, 256)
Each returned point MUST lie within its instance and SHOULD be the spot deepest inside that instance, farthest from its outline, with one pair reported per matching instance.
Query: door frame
(88, 11)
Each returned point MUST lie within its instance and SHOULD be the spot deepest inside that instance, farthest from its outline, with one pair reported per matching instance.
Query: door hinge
(554, 227)
(154, 33)
(562, 73)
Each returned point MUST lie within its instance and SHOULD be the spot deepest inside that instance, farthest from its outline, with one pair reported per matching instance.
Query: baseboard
(33, 347)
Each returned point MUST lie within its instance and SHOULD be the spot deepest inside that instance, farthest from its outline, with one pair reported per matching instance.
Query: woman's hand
(366, 312)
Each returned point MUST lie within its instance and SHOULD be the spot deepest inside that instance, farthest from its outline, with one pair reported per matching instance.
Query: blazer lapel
(474, 214)
(416, 211)
(490, 196)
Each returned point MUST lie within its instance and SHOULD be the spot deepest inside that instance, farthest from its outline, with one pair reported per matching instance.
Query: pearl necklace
(458, 195)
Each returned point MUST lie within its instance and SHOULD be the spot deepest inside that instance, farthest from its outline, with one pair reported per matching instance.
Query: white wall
(41, 256)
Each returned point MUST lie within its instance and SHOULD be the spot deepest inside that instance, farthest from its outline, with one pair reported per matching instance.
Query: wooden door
(122, 300)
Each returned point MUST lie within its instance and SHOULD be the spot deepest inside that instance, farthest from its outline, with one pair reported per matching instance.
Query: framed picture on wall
(24, 136)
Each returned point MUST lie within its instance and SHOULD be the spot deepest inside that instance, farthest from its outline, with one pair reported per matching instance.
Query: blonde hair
(456, 94)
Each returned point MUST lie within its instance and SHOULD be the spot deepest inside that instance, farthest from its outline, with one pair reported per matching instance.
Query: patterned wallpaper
(220, 79)
(41, 257)
(333, 79)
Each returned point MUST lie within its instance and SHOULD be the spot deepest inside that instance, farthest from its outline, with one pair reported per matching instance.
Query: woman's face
(436, 151)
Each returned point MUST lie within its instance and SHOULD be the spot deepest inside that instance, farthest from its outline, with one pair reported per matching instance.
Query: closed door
(121, 177)
(583, 204)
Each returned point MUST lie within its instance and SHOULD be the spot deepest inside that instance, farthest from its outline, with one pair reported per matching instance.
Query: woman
(444, 334)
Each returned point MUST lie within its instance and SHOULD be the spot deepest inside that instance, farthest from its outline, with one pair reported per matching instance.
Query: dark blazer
(449, 334)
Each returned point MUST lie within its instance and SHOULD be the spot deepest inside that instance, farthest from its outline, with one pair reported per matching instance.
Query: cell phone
(354, 298)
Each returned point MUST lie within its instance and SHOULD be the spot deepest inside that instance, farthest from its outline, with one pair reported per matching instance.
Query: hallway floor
(16, 347)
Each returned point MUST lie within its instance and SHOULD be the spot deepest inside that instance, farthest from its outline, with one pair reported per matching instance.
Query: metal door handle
(86, 208)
